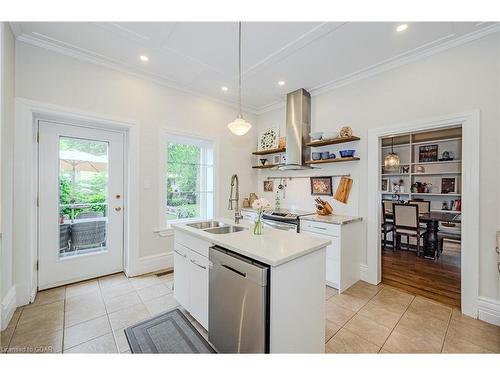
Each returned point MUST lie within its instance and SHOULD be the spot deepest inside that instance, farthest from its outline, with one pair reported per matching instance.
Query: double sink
(215, 227)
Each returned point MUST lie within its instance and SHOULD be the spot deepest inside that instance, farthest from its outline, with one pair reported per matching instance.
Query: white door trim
(470, 122)
(25, 182)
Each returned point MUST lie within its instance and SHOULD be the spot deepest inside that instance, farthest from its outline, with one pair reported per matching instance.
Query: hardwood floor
(438, 280)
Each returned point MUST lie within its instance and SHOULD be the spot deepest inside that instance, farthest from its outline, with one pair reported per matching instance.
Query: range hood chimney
(298, 127)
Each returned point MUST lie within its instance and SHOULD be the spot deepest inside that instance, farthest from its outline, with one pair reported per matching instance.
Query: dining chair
(387, 226)
(387, 207)
(424, 207)
(406, 223)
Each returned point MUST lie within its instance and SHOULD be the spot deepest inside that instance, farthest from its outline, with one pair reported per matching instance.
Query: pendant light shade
(391, 161)
(239, 126)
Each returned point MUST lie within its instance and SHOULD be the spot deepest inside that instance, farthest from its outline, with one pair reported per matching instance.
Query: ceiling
(201, 57)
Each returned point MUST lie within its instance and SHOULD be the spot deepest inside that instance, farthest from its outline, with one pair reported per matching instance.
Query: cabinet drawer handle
(199, 265)
(497, 250)
(182, 255)
(312, 226)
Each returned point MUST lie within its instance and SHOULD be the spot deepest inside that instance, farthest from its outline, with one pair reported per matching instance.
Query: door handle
(182, 255)
(118, 209)
(196, 264)
(234, 270)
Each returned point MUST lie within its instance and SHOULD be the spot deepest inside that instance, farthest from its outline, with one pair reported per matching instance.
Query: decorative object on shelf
(449, 225)
(347, 153)
(316, 136)
(276, 159)
(405, 169)
(330, 135)
(277, 201)
(268, 186)
(421, 187)
(444, 206)
(343, 190)
(246, 203)
(345, 131)
(252, 198)
(332, 156)
(239, 126)
(391, 161)
(283, 158)
(321, 185)
(263, 161)
(448, 185)
(325, 155)
(385, 185)
(447, 156)
(420, 169)
(268, 139)
(323, 208)
(260, 205)
(458, 205)
(427, 153)
(282, 142)
(316, 155)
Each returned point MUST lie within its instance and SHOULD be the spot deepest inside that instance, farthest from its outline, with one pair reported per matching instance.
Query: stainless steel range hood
(298, 127)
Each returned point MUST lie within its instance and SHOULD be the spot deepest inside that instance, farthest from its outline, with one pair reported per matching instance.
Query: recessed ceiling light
(402, 27)
(224, 88)
(144, 58)
(281, 83)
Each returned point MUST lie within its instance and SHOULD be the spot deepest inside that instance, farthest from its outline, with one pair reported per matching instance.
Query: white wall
(457, 80)
(53, 78)
(7, 131)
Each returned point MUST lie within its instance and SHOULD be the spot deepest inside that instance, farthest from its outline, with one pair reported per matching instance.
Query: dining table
(432, 220)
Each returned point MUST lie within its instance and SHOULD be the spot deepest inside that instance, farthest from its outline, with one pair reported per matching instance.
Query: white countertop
(274, 247)
(332, 219)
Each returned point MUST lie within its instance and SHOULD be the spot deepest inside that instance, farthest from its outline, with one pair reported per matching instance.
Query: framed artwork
(427, 153)
(448, 185)
(277, 159)
(384, 185)
(321, 186)
(404, 169)
(268, 139)
(268, 186)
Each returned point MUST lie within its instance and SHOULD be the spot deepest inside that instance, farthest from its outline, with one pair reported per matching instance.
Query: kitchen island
(296, 282)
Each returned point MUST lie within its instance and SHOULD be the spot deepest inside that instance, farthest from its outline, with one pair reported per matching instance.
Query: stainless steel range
(284, 219)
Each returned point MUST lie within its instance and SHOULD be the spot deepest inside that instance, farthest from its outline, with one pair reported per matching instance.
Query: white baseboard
(363, 272)
(489, 310)
(8, 307)
(151, 263)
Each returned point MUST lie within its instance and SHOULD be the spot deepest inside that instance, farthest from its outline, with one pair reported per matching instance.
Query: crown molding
(375, 69)
(85, 56)
(390, 64)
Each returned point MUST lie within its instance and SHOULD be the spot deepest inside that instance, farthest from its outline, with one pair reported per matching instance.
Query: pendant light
(391, 161)
(239, 126)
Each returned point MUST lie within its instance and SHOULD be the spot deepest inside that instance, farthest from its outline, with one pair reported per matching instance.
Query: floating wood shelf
(266, 166)
(333, 141)
(338, 160)
(267, 152)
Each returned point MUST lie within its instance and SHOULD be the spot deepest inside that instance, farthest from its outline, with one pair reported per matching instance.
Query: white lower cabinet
(191, 279)
(342, 255)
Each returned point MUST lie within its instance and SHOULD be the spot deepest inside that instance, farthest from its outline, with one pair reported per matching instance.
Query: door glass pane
(83, 196)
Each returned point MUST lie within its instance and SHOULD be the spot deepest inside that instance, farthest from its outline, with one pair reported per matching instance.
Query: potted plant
(260, 205)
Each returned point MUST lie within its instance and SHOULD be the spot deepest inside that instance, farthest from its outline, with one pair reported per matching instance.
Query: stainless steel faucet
(237, 213)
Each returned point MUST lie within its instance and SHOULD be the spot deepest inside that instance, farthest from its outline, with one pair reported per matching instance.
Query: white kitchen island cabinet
(343, 255)
(296, 303)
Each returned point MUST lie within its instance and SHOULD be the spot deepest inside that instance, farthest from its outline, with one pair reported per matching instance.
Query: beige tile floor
(90, 317)
(382, 319)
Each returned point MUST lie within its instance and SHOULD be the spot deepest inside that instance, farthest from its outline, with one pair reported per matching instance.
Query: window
(189, 178)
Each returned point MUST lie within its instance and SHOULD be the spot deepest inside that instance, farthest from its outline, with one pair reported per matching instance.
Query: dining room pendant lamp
(239, 126)
(391, 161)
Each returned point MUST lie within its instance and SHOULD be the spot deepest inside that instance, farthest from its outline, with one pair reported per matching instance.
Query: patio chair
(64, 235)
(88, 235)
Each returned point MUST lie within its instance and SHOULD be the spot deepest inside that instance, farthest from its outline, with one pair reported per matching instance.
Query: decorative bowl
(330, 135)
(263, 161)
(316, 155)
(332, 156)
(325, 155)
(316, 136)
(347, 153)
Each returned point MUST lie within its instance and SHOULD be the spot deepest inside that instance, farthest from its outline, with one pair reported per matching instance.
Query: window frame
(167, 136)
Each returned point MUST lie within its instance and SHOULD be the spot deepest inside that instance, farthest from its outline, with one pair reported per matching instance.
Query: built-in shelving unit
(433, 172)
(271, 151)
(266, 166)
(338, 160)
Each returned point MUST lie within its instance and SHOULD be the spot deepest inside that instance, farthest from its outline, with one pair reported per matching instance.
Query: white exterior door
(80, 203)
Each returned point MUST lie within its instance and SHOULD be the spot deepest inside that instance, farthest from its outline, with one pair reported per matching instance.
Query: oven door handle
(281, 226)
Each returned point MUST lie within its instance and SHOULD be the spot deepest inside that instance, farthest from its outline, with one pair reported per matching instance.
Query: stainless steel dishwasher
(238, 303)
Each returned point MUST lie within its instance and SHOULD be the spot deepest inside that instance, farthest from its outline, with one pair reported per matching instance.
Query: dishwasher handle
(243, 274)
